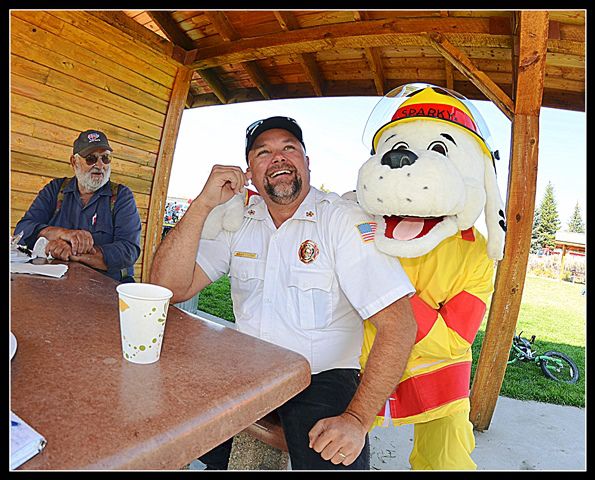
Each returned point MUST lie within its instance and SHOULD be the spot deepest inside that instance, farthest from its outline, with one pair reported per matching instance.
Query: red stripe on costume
(430, 390)
(468, 235)
(463, 313)
(425, 316)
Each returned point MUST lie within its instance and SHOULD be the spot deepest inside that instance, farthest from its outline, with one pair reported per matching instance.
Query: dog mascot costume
(430, 175)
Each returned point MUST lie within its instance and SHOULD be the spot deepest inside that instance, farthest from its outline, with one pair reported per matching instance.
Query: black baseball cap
(88, 141)
(261, 126)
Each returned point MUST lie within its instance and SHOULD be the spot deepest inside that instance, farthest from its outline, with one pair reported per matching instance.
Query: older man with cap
(304, 272)
(87, 218)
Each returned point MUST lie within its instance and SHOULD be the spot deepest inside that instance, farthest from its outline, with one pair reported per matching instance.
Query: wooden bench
(269, 430)
(261, 446)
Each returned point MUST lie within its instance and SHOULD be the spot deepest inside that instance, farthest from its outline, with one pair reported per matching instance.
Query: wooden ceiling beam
(448, 73)
(351, 35)
(464, 64)
(373, 58)
(288, 22)
(229, 34)
(313, 73)
(189, 100)
(171, 29)
(215, 84)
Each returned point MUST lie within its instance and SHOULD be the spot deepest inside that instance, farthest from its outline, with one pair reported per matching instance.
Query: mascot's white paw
(351, 196)
(227, 216)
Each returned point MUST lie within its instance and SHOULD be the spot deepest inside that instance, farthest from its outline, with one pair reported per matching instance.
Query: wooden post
(522, 179)
(160, 185)
(561, 274)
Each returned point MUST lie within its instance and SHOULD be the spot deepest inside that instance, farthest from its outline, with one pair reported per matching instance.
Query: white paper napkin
(39, 248)
(48, 270)
(18, 257)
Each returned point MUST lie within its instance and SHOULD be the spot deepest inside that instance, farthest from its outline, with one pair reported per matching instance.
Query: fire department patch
(308, 251)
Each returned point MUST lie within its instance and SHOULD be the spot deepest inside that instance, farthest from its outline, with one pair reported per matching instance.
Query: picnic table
(98, 411)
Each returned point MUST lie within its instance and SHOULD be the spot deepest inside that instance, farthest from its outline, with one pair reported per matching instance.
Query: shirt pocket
(103, 230)
(313, 288)
(247, 278)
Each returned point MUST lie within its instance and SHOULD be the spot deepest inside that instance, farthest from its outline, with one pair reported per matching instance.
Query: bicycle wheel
(560, 368)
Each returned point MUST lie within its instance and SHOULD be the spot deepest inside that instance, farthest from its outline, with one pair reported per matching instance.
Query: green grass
(216, 299)
(553, 311)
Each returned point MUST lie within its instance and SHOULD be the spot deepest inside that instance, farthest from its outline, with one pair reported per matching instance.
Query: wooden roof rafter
(228, 33)
(373, 58)
(177, 36)
(171, 29)
(306, 53)
(482, 81)
(362, 34)
(288, 22)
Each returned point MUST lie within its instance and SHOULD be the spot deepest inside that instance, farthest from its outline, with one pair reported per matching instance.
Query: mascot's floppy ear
(227, 216)
(494, 214)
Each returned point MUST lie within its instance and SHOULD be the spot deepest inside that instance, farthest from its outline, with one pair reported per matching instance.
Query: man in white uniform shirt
(304, 272)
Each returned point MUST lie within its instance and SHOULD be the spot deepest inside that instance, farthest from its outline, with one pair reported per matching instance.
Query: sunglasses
(253, 126)
(92, 159)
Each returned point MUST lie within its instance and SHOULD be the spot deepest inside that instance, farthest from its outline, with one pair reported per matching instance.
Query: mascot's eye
(438, 147)
(400, 146)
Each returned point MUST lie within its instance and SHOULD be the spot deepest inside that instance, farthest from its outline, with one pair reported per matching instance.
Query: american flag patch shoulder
(366, 231)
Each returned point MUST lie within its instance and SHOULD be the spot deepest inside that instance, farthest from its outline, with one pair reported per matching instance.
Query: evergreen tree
(576, 223)
(535, 241)
(546, 222)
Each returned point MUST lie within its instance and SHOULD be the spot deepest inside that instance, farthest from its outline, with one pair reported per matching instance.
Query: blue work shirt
(117, 234)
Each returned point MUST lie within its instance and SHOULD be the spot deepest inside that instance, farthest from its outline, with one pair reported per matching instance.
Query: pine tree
(546, 222)
(576, 223)
(535, 239)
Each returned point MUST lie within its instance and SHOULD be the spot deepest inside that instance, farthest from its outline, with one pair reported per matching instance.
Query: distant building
(570, 242)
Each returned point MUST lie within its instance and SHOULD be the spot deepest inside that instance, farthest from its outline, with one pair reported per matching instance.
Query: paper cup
(143, 311)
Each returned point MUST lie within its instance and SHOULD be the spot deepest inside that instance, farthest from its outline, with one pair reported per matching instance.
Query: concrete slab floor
(523, 435)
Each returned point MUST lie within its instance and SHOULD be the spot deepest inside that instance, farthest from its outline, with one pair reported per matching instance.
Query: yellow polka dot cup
(143, 312)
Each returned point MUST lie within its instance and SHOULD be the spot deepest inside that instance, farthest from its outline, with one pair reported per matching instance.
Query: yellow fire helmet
(415, 101)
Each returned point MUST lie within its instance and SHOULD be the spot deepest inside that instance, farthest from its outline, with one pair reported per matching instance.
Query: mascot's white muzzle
(412, 183)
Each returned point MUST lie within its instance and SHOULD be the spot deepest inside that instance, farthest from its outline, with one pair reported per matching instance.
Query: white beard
(86, 180)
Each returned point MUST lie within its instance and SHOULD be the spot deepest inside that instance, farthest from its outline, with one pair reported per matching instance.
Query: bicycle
(554, 365)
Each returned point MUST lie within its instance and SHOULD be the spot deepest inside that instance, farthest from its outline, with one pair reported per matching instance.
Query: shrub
(549, 266)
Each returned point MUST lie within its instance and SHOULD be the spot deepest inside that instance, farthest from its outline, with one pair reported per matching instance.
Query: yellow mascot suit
(430, 176)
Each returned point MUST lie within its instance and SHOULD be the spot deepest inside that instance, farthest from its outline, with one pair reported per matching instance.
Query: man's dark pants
(328, 395)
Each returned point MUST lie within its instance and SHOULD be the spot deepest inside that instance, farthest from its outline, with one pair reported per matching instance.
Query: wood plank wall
(71, 71)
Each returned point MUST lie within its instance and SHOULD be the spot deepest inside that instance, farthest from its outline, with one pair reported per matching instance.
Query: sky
(333, 127)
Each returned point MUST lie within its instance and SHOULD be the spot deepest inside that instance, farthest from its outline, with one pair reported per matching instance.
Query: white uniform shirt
(307, 285)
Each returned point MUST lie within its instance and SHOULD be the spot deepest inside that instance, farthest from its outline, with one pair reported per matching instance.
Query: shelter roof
(244, 55)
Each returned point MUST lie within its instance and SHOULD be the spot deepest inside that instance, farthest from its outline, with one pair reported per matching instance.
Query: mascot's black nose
(398, 158)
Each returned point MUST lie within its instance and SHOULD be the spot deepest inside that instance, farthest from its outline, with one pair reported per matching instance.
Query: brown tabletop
(98, 411)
